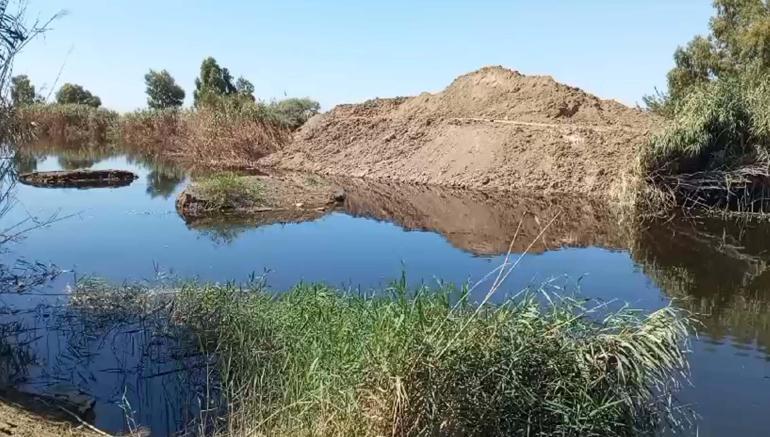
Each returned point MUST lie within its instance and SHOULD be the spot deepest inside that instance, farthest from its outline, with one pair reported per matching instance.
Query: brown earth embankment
(490, 129)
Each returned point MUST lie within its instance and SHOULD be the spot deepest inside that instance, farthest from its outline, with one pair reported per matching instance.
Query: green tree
(23, 92)
(75, 94)
(214, 82)
(245, 89)
(162, 90)
(295, 112)
(738, 44)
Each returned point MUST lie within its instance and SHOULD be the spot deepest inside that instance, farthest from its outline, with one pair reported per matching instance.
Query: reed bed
(227, 136)
(318, 361)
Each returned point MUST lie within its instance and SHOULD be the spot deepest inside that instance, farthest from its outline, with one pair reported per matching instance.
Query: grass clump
(316, 361)
(223, 191)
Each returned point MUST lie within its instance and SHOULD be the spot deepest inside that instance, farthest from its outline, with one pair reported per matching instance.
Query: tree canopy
(245, 88)
(295, 112)
(738, 44)
(23, 92)
(71, 93)
(162, 90)
(213, 82)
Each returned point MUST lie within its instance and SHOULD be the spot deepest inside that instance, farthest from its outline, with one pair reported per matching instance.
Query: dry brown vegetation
(209, 138)
(229, 136)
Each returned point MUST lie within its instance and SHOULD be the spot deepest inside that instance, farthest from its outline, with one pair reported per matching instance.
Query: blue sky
(349, 51)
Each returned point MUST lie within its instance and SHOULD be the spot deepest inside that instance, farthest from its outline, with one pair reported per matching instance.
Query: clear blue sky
(349, 51)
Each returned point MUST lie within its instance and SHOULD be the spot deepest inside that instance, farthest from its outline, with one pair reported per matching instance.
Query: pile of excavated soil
(492, 129)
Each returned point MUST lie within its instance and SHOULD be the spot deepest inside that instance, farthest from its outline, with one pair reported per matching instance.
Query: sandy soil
(492, 128)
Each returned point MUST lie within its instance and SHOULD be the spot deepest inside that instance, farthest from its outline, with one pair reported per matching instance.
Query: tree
(295, 112)
(75, 94)
(162, 90)
(23, 92)
(739, 43)
(213, 82)
(245, 89)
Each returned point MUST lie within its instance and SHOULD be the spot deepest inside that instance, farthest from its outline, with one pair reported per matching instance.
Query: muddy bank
(258, 200)
(491, 129)
(78, 178)
(25, 415)
(485, 223)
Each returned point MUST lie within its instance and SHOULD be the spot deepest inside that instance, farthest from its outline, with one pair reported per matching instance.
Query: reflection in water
(163, 178)
(24, 163)
(67, 163)
(485, 223)
(720, 270)
(160, 184)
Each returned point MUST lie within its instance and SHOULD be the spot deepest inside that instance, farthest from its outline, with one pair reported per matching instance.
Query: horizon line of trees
(215, 86)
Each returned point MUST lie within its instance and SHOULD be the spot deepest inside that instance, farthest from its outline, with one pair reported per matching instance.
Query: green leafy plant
(162, 90)
(72, 94)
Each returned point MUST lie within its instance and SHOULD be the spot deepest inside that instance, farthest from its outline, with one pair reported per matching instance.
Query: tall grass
(231, 135)
(317, 361)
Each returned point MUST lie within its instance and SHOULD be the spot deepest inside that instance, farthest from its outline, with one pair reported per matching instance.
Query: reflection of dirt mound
(485, 222)
(493, 128)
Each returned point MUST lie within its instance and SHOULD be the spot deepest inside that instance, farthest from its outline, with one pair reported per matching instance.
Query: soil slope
(492, 128)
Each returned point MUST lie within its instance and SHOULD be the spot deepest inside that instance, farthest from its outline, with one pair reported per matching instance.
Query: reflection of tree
(719, 270)
(71, 163)
(161, 184)
(24, 163)
(222, 233)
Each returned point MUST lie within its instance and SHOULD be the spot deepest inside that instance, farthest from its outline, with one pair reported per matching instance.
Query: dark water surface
(718, 269)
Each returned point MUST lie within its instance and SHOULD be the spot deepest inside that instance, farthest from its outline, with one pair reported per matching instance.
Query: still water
(717, 269)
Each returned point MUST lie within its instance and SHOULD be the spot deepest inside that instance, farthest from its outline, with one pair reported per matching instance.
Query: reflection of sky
(123, 233)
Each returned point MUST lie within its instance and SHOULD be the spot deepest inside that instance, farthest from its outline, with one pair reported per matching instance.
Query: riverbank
(23, 415)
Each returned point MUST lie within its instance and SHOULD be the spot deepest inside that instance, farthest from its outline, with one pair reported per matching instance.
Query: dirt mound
(493, 128)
